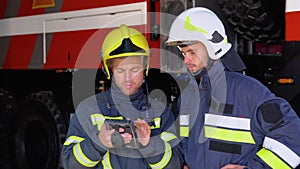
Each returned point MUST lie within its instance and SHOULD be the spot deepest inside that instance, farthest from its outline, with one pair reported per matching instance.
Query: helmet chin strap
(199, 73)
(202, 71)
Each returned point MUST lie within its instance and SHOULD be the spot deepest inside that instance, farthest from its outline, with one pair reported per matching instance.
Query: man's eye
(192, 52)
(119, 70)
(135, 70)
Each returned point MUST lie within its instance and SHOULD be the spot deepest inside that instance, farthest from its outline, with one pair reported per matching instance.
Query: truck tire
(40, 132)
(6, 115)
(251, 21)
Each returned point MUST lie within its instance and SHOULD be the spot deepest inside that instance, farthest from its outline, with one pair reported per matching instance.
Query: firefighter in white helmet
(188, 28)
(240, 123)
(123, 128)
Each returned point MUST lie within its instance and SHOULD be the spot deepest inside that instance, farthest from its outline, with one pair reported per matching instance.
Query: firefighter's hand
(233, 166)
(105, 136)
(142, 131)
(126, 136)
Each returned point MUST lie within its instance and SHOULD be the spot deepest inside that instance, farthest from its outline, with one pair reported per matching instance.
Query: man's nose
(187, 58)
(128, 76)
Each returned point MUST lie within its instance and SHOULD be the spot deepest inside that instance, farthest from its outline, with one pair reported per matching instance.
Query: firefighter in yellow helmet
(124, 42)
(123, 128)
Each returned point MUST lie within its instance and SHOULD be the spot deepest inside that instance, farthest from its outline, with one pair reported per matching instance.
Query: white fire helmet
(199, 24)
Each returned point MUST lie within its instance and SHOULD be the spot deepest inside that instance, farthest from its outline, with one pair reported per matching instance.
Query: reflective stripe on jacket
(82, 149)
(251, 127)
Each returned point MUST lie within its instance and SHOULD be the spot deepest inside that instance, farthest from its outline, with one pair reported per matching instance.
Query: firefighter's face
(195, 56)
(128, 74)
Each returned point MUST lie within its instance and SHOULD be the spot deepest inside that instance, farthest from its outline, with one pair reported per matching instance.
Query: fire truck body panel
(49, 62)
(57, 40)
(18, 8)
(292, 16)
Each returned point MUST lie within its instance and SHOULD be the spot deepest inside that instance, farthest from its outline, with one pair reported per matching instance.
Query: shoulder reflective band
(282, 151)
(157, 123)
(98, 119)
(106, 161)
(228, 135)
(81, 158)
(165, 159)
(73, 139)
(271, 159)
(166, 136)
(184, 121)
(227, 121)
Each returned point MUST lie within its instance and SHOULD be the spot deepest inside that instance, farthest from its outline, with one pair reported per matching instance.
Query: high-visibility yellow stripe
(229, 135)
(184, 131)
(189, 26)
(114, 118)
(156, 122)
(106, 161)
(81, 158)
(166, 136)
(73, 139)
(98, 119)
(166, 158)
(271, 159)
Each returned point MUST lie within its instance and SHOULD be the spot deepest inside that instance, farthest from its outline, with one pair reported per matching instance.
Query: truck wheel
(40, 132)
(251, 21)
(6, 115)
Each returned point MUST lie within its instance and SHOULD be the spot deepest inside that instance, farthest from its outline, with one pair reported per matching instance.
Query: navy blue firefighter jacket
(82, 148)
(237, 121)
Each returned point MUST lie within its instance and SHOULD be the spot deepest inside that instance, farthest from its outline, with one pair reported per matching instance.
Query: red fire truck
(50, 60)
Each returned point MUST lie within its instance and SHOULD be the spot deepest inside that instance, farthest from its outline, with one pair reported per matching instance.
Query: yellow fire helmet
(124, 42)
